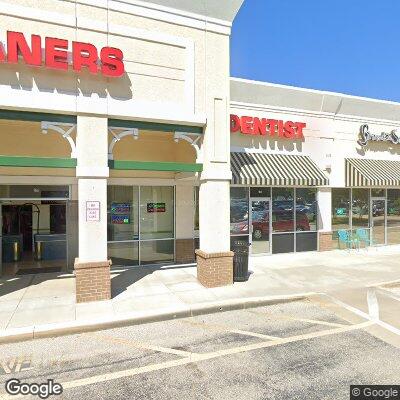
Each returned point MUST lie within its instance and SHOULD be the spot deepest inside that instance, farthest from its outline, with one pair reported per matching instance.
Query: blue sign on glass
(120, 219)
(120, 213)
(119, 208)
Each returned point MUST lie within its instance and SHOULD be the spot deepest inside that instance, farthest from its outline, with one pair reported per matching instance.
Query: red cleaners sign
(108, 61)
(271, 127)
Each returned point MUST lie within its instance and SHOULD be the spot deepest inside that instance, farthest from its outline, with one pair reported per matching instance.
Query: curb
(13, 335)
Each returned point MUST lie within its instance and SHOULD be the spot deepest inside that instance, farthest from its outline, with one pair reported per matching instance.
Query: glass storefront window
(156, 212)
(122, 213)
(156, 251)
(124, 253)
(282, 210)
(33, 191)
(306, 209)
(340, 209)
(140, 224)
(360, 208)
(393, 216)
(260, 192)
(377, 192)
(239, 210)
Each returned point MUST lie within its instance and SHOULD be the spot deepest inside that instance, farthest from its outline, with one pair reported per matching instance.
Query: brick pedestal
(325, 241)
(184, 251)
(93, 281)
(214, 269)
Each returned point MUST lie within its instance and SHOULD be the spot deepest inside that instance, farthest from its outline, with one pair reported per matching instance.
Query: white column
(214, 204)
(324, 197)
(185, 209)
(214, 215)
(92, 172)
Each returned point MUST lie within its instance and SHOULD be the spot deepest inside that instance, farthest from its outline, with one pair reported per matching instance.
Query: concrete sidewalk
(44, 305)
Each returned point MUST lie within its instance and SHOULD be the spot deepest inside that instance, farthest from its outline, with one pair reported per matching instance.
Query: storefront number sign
(267, 127)
(108, 61)
(155, 207)
(366, 136)
(93, 211)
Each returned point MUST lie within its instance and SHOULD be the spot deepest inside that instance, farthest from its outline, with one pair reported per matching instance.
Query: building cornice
(132, 7)
(161, 13)
(320, 104)
(311, 114)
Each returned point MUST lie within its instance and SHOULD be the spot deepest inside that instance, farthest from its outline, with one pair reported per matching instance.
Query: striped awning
(275, 170)
(372, 173)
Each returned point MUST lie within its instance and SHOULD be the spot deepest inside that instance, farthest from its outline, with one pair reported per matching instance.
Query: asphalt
(308, 349)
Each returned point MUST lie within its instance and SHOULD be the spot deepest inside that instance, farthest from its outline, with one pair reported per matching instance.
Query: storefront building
(124, 141)
(111, 114)
(313, 170)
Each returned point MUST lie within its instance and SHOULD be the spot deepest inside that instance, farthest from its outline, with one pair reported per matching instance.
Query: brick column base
(93, 281)
(184, 251)
(325, 241)
(214, 269)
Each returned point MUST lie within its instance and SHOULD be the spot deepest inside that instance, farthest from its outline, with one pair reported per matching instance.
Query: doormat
(29, 271)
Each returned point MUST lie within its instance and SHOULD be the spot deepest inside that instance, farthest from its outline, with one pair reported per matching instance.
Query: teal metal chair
(345, 237)
(364, 237)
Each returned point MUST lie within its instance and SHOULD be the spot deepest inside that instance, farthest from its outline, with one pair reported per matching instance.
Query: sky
(346, 46)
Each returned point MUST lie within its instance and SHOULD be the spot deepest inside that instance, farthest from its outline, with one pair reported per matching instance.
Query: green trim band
(153, 126)
(43, 162)
(36, 116)
(154, 166)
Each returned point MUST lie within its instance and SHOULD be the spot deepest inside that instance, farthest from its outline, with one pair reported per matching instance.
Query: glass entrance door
(141, 224)
(378, 225)
(1, 240)
(260, 225)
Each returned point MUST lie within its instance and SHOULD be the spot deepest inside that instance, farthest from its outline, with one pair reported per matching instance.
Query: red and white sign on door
(93, 211)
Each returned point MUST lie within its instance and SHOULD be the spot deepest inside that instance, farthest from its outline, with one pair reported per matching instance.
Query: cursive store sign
(367, 136)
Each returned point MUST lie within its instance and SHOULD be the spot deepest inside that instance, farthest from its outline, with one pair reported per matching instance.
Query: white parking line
(224, 328)
(142, 345)
(388, 293)
(200, 357)
(364, 315)
(373, 306)
(291, 318)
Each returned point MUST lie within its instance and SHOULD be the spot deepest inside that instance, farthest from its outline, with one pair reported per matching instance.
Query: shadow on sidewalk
(10, 284)
(122, 279)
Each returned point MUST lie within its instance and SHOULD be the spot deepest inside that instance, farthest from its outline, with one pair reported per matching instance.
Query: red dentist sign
(271, 127)
(108, 61)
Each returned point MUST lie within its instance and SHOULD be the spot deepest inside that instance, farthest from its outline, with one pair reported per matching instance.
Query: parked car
(286, 205)
(378, 209)
(282, 222)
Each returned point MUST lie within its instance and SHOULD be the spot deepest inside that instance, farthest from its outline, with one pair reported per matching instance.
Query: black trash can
(240, 260)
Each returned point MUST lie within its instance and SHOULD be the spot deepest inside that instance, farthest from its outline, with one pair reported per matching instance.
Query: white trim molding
(118, 134)
(64, 129)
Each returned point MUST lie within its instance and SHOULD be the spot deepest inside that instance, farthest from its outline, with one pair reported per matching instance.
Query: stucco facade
(176, 83)
(136, 168)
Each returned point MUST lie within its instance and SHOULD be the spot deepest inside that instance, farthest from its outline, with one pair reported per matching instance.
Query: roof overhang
(224, 10)
(310, 100)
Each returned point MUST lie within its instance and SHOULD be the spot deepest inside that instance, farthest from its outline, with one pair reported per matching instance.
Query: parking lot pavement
(310, 349)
